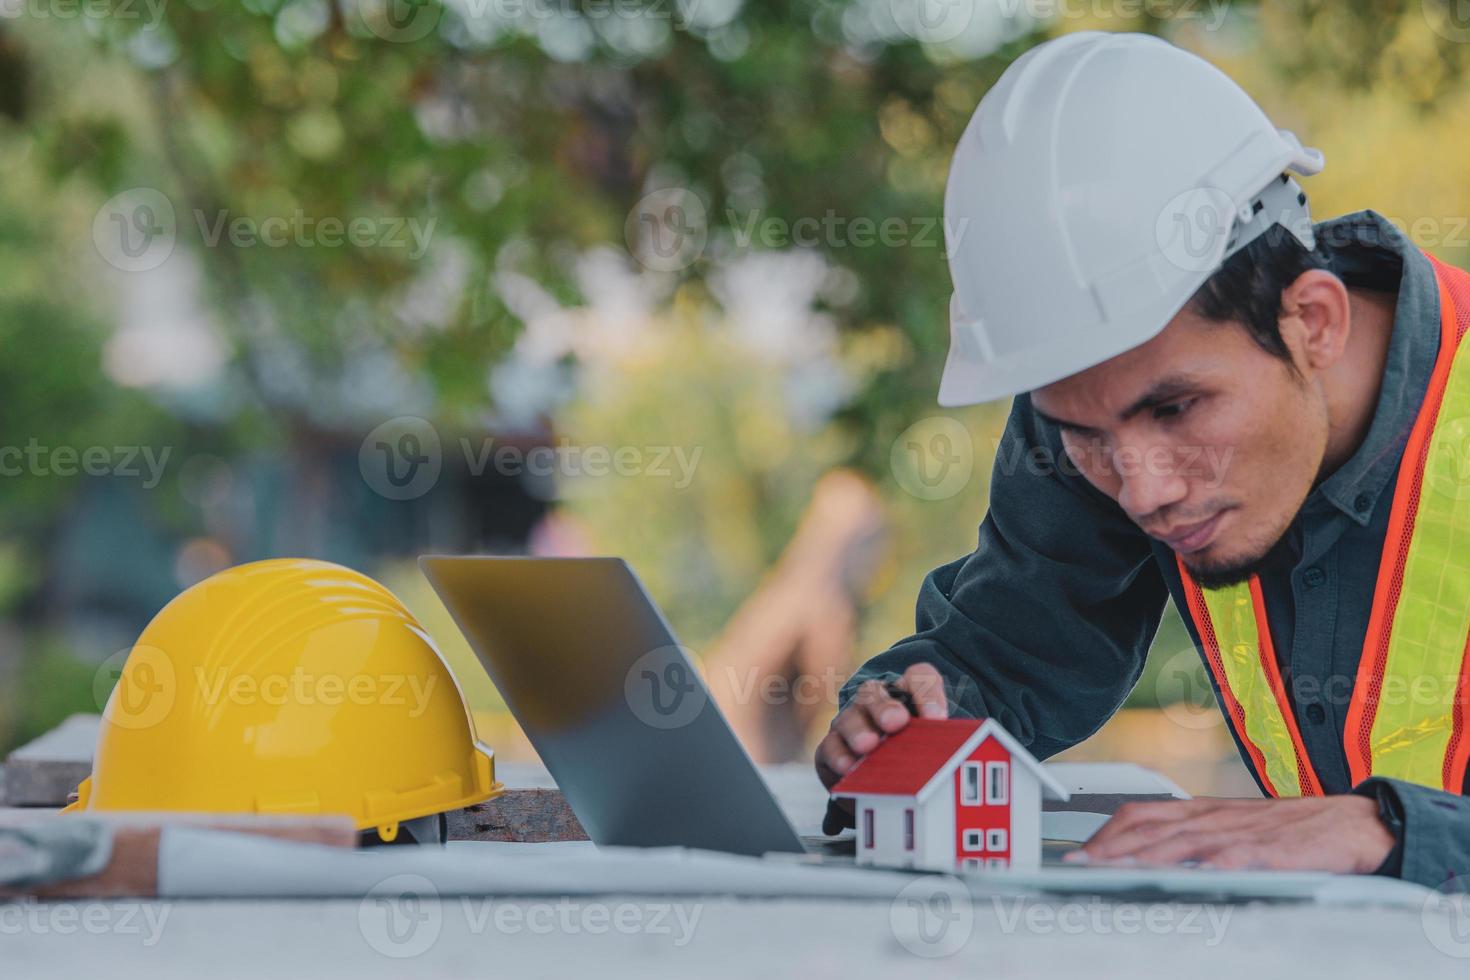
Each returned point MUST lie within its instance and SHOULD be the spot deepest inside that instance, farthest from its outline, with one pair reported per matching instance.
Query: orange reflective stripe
(1210, 643)
(1262, 718)
(1307, 781)
(1457, 756)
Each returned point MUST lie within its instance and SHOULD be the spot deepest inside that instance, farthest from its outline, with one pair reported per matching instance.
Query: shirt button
(1315, 714)
(1362, 502)
(1314, 577)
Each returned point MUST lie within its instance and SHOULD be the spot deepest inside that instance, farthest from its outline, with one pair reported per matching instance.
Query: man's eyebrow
(1060, 423)
(1163, 390)
(1166, 389)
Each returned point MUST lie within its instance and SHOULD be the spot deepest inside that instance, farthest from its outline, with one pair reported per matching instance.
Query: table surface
(719, 936)
(716, 937)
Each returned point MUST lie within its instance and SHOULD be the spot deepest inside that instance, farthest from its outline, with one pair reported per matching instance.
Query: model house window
(995, 840)
(868, 828)
(908, 830)
(973, 864)
(997, 782)
(996, 863)
(973, 841)
(970, 784)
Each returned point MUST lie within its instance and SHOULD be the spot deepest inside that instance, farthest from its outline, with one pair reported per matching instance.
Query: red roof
(906, 760)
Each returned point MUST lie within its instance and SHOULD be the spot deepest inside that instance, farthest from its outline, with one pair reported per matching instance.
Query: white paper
(1076, 826)
(212, 864)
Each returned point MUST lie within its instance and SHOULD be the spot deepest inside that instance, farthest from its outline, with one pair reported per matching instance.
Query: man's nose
(1149, 480)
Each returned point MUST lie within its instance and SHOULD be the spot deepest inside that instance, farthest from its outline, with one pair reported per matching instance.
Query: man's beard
(1224, 574)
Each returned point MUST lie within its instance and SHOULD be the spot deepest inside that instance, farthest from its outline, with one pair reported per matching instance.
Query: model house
(941, 794)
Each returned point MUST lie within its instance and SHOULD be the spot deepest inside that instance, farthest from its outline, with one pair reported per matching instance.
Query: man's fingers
(1136, 838)
(926, 686)
(1184, 846)
(872, 714)
(833, 759)
(1241, 855)
(1140, 823)
(1131, 814)
(838, 817)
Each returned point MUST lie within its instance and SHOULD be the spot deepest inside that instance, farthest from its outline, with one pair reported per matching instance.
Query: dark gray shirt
(1045, 626)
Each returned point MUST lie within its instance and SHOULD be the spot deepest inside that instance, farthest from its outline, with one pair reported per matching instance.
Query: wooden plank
(46, 771)
(132, 870)
(533, 816)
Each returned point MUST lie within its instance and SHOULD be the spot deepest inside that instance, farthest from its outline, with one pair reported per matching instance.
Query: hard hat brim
(971, 381)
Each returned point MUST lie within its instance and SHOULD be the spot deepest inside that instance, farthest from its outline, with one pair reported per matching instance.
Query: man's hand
(1332, 833)
(873, 713)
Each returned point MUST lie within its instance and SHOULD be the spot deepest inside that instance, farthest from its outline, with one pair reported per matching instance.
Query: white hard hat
(1100, 182)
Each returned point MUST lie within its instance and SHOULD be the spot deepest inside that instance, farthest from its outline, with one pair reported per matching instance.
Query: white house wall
(888, 846)
(937, 819)
(1025, 818)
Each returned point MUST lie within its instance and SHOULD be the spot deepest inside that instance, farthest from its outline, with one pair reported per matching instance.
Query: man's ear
(1315, 321)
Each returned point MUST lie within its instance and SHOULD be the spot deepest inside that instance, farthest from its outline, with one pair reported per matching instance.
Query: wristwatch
(1391, 815)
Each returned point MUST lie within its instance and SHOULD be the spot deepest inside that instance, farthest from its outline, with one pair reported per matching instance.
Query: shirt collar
(1366, 249)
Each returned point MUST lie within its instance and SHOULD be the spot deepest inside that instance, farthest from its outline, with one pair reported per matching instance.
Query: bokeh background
(365, 279)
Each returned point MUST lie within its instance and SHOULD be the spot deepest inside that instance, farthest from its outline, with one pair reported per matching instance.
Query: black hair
(1247, 288)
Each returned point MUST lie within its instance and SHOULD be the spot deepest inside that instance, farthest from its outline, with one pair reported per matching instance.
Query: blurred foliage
(524, 135)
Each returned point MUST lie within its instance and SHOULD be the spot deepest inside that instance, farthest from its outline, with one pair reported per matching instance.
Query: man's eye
(1173, 411)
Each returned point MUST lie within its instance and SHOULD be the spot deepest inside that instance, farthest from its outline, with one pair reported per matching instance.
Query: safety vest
(1406, 718)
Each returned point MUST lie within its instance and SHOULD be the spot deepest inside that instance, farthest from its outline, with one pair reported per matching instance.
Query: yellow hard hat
(288, 686)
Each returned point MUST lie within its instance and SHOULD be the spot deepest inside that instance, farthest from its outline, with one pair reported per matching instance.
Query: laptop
(611, 702)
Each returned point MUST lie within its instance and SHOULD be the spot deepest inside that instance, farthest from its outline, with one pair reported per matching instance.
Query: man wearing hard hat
(1262, 419)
